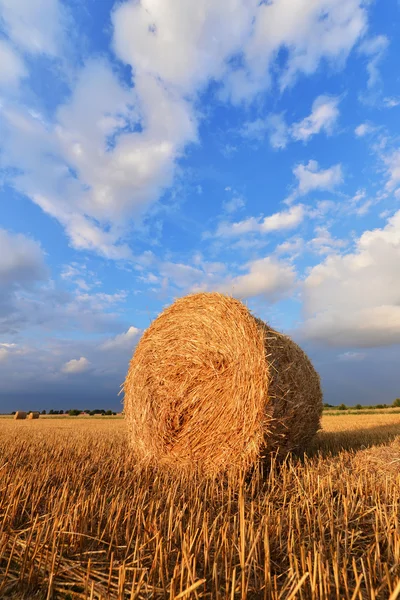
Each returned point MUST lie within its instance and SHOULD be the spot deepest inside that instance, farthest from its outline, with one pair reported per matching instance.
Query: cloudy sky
(157, 147)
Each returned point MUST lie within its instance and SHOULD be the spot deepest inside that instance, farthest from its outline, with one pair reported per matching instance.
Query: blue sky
(151, 149)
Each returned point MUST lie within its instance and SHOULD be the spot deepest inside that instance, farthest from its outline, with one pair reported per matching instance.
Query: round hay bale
(20, 415)
(211, 388)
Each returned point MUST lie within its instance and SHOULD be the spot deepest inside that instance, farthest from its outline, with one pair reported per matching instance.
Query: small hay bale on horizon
(33, 415)
(20, 415)
(211, 388)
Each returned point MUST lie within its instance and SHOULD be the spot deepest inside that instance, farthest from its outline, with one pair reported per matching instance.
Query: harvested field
(78, 520)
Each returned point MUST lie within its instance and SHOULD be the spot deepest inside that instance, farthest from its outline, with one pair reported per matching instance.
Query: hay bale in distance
(33, 415)
(20, 415)
(211, 388)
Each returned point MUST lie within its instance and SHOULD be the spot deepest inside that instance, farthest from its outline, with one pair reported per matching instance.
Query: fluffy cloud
(75, 366)
(363, 129)
(21, 261)
(12, 68)
(29, 298)
(265, 277)
(274, 126)
(323, 117)
(323, 242)
(374, 49)
(308, 31)
(392, 162)
(354, 300)
(25, 24)
(287, 219)
(111, 150)
(123, 341)
(311, 177)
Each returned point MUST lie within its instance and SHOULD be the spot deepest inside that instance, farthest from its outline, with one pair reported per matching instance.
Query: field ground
(77, 520)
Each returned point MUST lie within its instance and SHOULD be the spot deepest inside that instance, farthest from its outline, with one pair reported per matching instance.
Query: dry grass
(77, 520)
(211, 388)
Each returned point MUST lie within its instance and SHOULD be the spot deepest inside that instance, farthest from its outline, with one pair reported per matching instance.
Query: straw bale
(294, 393)
(211, 388)
(33, 415)
(19, 415)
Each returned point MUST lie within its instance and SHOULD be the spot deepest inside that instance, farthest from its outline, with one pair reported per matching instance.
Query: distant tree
(380, 406)
(61, 412)
(74, 412)
(51, 412)
(13, 412)
(358, 406)
(342, 407)
(43, 412)
(326, 405)
(396, 402)
(109, 413)
(114, 413)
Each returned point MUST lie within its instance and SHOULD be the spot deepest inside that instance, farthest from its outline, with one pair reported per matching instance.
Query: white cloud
(292, 248)
(101, 171)
(311, 177)
(21, 261)
(323, 242)
(74, 366)
(278, 131)
(12, 67)
(323, 117)
(3, 354)
(308, 31)
(123, 341)
(266, 277)
(364, 129)
(284, 220)
(374, 49)
(36, 26)
(391, 102)
(354, 300)
(233, 205)
(393, 170)
(274, 126)
(111, 151)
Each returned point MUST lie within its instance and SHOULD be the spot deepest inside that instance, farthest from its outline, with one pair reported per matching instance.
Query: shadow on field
(331, 443)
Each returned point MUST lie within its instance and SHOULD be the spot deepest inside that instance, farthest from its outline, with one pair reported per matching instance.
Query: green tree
(74, 412)
(358, 406)
(342, 407)
(396, 402)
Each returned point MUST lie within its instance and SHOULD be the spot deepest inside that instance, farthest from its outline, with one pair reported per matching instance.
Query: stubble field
(78, 520)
